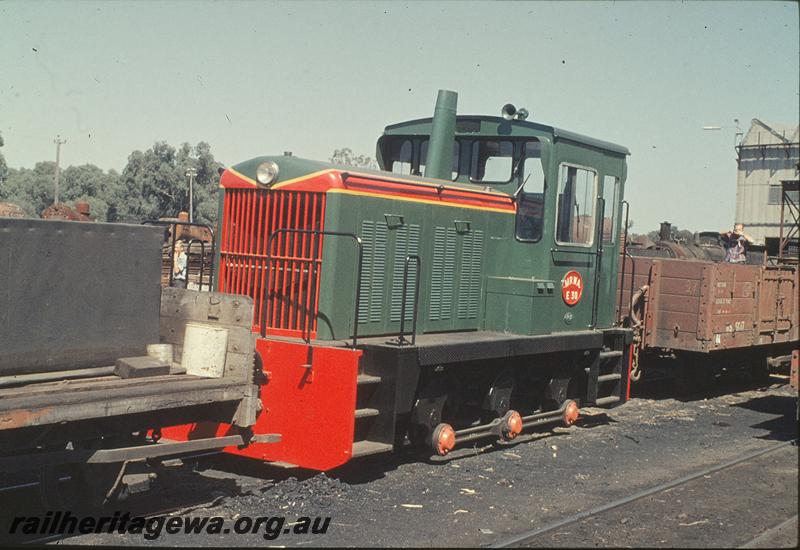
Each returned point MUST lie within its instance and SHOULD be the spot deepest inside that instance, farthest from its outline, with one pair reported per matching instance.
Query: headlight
(267, 173)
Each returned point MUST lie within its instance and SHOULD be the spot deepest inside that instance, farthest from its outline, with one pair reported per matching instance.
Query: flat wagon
(80, 304)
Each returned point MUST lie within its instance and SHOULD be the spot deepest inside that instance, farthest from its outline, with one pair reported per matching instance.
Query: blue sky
(255, 78)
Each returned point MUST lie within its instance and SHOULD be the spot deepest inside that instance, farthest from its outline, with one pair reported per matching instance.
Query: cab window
(577, 196)
(530, 209)
(400, 155)
(611, 200)
(492, 161)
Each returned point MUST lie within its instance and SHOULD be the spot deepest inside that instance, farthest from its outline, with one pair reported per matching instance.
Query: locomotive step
(610, 354)
(365, 448)
(608, 377)
(364, 413)
(364, 379)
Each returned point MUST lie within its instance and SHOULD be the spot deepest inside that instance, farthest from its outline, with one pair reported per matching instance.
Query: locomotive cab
(566, 190)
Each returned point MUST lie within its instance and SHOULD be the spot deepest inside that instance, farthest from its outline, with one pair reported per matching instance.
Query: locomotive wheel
(556, 392)
(571, 413)
(443, 439)
(498, 399)
(512, 425)
(429, 410)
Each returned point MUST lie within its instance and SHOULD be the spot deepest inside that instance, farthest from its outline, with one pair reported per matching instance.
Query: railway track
(250, 475)
(26, 495)
(529, 537)
(141, 510)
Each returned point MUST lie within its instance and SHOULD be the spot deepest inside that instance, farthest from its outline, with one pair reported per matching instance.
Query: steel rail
(766, 537)
(527, 536)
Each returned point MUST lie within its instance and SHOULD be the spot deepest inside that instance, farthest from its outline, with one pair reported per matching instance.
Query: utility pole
(59, 142)
(191, 173)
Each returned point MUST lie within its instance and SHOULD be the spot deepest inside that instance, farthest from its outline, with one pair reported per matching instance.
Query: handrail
(174, 239)
(633, 273)
(589, 252)
(601, 208)
(401, 339)
(308, 320)
(624, 256)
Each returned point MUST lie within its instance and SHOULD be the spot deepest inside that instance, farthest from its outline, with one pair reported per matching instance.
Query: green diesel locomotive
(464, 291)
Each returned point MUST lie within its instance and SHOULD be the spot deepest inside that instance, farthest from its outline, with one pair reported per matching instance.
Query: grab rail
(401, 339)
(308, 320)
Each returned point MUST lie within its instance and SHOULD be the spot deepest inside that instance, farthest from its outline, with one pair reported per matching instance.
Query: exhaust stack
(439, 161)
(665, 231)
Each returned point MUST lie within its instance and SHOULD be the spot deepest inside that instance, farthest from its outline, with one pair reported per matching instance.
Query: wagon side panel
(678, 304)
(777, 305)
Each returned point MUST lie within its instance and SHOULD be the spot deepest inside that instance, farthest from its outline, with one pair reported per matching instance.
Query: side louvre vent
(374, 236)
(442, 273)
(469, 287)
(406, 243)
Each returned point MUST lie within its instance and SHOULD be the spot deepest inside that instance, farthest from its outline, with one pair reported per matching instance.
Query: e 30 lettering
(572, 288)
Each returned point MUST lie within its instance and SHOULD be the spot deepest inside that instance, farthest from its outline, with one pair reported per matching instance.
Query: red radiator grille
(249, 218)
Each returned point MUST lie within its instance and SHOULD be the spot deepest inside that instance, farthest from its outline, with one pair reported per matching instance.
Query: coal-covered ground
(488, 493)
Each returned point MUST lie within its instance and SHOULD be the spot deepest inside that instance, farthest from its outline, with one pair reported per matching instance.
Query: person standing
(179, 266)
(735, 243)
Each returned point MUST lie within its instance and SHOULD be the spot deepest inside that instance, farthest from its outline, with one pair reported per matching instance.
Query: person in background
(179, 263)
(735, 243)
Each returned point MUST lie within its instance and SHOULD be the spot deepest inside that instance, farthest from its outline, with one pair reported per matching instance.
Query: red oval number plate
(572, 288)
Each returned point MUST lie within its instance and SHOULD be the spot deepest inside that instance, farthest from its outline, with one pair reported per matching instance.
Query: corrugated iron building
(768, 154)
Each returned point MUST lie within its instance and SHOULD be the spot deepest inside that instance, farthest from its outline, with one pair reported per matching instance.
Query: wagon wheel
(758, 368)
(63, 487)
(694, 374)
(79, 486)
(104, 482)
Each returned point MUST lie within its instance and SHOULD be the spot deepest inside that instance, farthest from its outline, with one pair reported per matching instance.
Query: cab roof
(486, 126)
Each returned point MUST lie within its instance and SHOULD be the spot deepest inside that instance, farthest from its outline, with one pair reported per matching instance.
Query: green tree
(154, 184)
(3, 166)
(346, 157)
(31, 189)
(91, 184)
